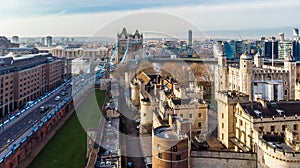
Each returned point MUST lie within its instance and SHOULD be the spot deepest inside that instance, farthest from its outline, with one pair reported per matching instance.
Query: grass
(68, 146)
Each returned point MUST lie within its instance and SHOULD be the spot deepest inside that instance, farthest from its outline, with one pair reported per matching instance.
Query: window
(295, 127)
(181, 115)
(222, 115)
(199, 115)
(199, 124)
(222, 125)
(178, 157)
(175, 148)
(191, 115)
(272, 128)
(222, 136)
(159, 155)
(158, 146)
(241, 122)
(285, 92)
(283, 127)
(261, 128)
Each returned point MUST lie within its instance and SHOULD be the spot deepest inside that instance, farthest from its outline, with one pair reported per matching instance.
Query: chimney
(170, 120)
(262, 102)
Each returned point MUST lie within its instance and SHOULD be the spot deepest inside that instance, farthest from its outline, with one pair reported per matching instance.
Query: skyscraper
(48, 41)
(190, 34)
(296, 34)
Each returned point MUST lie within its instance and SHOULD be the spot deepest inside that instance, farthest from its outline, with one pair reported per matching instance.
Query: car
(57, 98)
(102, 164)
(64, 89)
(63, 93)
(42, 109)
(29, 103)
(108, 163)
(45, 108)
(129, 164)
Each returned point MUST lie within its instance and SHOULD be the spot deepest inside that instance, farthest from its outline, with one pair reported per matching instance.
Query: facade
(21, 51)
(26, 78)
(285, 48)
(268, 128)
(69, 52)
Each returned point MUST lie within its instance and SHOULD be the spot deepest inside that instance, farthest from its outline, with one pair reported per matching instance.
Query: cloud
(58, 18)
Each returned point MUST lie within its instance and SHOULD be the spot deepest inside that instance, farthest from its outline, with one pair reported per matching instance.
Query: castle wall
(221, 159)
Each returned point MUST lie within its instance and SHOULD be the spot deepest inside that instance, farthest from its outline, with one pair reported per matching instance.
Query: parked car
(57, 98)
(63, 93)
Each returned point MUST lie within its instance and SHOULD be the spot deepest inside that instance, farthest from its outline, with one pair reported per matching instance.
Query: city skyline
(84, 19)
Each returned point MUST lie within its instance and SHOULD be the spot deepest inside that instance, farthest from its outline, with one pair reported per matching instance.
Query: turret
(258, 60)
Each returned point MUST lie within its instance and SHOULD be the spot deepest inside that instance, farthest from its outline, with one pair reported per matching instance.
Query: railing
(17, 142)
(10, 118)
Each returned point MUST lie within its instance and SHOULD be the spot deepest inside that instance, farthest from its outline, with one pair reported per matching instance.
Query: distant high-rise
(281, 36)
(190, 38)
(296, 33)
(43, 41)
(48, 41)
(15, 39)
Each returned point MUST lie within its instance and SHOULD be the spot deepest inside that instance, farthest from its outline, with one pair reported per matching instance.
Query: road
(26, 120)
(129, 139)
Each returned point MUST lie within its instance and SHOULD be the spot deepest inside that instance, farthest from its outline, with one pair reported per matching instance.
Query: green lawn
(68, 147)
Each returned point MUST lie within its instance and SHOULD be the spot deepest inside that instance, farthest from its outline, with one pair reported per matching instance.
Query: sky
(31, 18)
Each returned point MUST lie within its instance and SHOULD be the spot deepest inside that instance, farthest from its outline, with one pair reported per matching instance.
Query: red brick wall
(25, 149)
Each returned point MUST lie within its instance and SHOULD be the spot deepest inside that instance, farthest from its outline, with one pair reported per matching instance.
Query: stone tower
(134, 43)
(221, 72)
(290, 65)
(246, 74)
(258, 60)
(123, 39)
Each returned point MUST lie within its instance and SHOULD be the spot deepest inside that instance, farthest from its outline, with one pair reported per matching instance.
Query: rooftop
(167, 132)
(280, 108)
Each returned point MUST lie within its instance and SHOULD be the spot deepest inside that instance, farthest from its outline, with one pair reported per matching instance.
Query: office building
(190, 35)
(48, 41)
(25, 78)
(15, 39)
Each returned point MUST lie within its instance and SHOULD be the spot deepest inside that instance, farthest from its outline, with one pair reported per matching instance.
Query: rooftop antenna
(272, 52)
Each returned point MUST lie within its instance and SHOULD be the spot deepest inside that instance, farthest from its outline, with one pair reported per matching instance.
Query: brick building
(26, 78)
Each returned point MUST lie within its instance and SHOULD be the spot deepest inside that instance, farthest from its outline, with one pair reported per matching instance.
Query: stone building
(157, 98)
(252, 77)
(171, 144)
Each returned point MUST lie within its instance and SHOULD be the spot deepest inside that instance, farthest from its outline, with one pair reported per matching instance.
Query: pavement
(129, 139)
